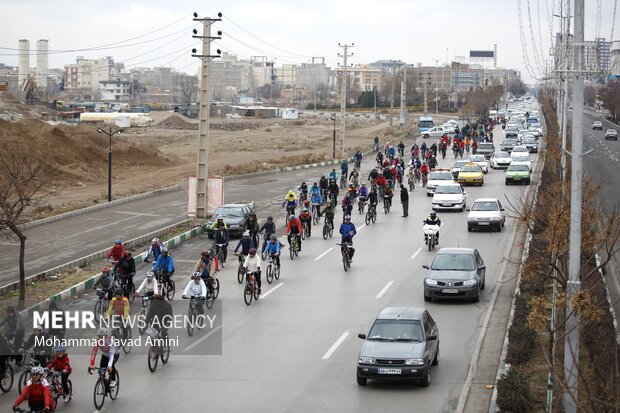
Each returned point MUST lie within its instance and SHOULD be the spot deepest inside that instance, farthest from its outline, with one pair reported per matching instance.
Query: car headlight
(470, 282)
(414, 362)
(430, 281)
(495, 218)
(366, 360)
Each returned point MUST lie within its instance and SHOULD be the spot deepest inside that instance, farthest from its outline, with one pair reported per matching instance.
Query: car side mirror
(432, 337)
(482, 267)
(501, 209)
(469, 209)
(362, 336)
(425, 266)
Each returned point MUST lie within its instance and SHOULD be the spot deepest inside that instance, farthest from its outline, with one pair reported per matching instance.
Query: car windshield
(521, 167)
(229, 212)
(486, 146)
(509, 142)
(485, 206)
(453, 262)
(440, 176)
(396, 330)
(529, 140)
(502, 155)
(459, 164)
(477, 158)
(448, 189)
(470, 168)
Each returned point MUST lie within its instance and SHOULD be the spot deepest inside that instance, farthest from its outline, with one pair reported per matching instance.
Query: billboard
(482, 53)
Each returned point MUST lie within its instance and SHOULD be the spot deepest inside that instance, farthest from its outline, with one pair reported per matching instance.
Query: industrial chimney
(42, 69)
(24, 61)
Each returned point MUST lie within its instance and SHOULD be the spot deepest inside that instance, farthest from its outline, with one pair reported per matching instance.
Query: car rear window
(229, 211)
(486, 146)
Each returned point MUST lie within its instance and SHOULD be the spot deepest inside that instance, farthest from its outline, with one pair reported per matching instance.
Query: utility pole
(436, 89)
(343, 93)
(564, 92)
(110, 133)
(202, 166)
(392, 94)
(403, 95)
(571, 343)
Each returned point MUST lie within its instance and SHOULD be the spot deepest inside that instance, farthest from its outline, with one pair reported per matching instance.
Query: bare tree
(21, 188)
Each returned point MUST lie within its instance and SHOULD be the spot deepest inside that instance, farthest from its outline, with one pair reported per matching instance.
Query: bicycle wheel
(255, 291)
(127, 346)
(240, 273)
(171, 290)
(345, 262)
(99, 308)
(374, 216)
(114, 390)
(303, 231)
(99, 394)
(142, 316)
(247, 294)
(7, 381)
(331, 230)
(209, 301)
(54, 391)
(325, 231)
(291, 249)
(166, 355)
(132, 293)
(23, 379)
(276, 272)
(216, 288)
(192, 319)
(269, 273)
(70, 386)
(153, 358)
(368, 217)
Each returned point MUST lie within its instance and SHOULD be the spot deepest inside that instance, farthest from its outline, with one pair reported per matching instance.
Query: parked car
(455, 273)
(597, 125)
(471, 174)
(500, 159)
(481, 161)
(518, 174)
(486, 148)
(402, 344)
(611, 134)
(235, 216)
(449, 196)
(486, 213)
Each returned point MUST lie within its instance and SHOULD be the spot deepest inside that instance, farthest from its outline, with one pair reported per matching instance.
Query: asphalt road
(296, 349)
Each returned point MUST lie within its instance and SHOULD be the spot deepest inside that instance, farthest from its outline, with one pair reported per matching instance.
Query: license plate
(450, 291)
(483, 223)
(390, 371)
(516, 179)
(446, 205)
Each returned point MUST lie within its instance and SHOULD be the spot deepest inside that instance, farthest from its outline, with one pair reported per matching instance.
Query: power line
(613, 22)
(598, 19)
(537, 59)
(526, 59)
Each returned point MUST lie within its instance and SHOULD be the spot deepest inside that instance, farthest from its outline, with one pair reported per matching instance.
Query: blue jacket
(272, 247)
(347, 230)
(245, 246)
(316, 198)
(166, 264)
(344, 167)
(156, 251)
(363, 191)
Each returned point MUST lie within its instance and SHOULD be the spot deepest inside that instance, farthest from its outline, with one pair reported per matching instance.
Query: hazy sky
(292, 31)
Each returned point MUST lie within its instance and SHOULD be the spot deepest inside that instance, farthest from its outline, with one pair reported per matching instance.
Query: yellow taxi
(471, 173)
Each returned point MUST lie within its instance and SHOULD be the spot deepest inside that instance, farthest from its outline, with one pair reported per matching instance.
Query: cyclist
(60, 364)
(372, 198)
(269, 228)
(37, 392)
(272, 248)
(474, 147)
(388, 193)
(221, 237)
(423, 149)
(197, 288)
(106, 281)
(304, 191)
(36, 341)
(376, 144)
(323, 185)
(218, 222)
(347, 203)
(316, 199)
(362, 193)
(433, 219)
(379, 158)
(116, 252)
(333, 190)
(358, 158)
(333, 175)
(206, 266)
(149, 285)
(119, 307)
(306, 217)
(154, 249)
(13, 329)
(415, 151)
(109, 353)
(165, 264)
(329, 213)
(246, 244)
(433, 149)
(432, 162)
(344, 169)
(252, 265)
(160, 312)
(381, 181)
(354, 178)
(293, 228)
(252, 226)
(290, 202)
(125, 270)
(347, 230)
(401, 149)
(372, 176)
(424, 169)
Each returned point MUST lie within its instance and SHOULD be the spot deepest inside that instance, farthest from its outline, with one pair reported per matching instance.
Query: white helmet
(37, 370)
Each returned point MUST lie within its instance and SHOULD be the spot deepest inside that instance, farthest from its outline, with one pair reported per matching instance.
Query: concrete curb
(609, 301)
(80, 262)
(88, 284)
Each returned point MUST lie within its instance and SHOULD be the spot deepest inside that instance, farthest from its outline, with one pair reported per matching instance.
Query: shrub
(513, 393)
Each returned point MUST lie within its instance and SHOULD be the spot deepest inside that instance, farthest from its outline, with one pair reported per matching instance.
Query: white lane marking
(415, 254)
(388, 285)
(138, 214)
(194, 344)
(272, 290)
(335, 346)
(324, 254)
(361, 226)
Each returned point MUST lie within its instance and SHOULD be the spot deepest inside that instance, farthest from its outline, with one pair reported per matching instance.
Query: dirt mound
(176, 121)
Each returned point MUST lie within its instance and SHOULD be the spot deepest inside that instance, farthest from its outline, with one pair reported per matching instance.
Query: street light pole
(334, 137)
(109, 133)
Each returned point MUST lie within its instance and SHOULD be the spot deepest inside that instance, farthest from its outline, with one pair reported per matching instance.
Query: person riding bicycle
(316, 199)
(423, 149)
(197, 288)
(119, 308)
(333, 190)
(347, 203)
(388, 193)
(344, 168)
(372, 176)
(433, 219)
(109, 353)
(125, 270)
(252, 225)
(268, 228)
(323, 185)
(372, 198)
(272, 248)
(432, 162)
(362, 193)
(333, 174)
(13, 330)
(246, 244)
(252, 265)
(165, 263)
(474, 147)
(221, 236)
(290, 202)
(293, 228)
(305, 216)
(329, 213)
(424, 168)
(347, 230)
(154, 249)
(358, 158)
(117, 251)
(149, 285)
(354, 178)
(37, 342)
(303, 191)
(376, 143)
(415, 151)
(37, 392)
(379, 158)
(381, 181)
(206, 266)
(60, 364)
(433, 149)
(218, 222)
(106, 281)
(159, 315)
(56, 331)
(401, 148)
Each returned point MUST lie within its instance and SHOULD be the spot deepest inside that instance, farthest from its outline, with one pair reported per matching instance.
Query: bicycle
(251, 289)
(305, 226)
(272, 271)
(6, 383)
(25, 375)
(386, 204)
(192, 316)
(56, 387)
(159, 349)
(315, 214)
(343, 181)
(240, 271)
(361, 204)
(332, 198)
(293, 247)
(219, 253)
(411, 182)
(346, 256)
(424, 180)
(168, 287)
(102, 304)
(124, 334)
(328, 228)
(144, 309)
(102, 386)
(371, 214)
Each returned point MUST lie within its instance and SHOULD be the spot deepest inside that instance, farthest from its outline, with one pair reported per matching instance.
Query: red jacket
(36, 393)
(296, 223)
(381, 181)
(60, 364)
(116, 252)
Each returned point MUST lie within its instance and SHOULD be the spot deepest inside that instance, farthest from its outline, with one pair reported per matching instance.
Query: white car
(519, 148)
(481, 161)
(448, 128)
(456, 167)
(521, 158)
(453, 123)
(435, 132)
(449, 196)
(486, 213)
(500, 159)
(436, 178)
